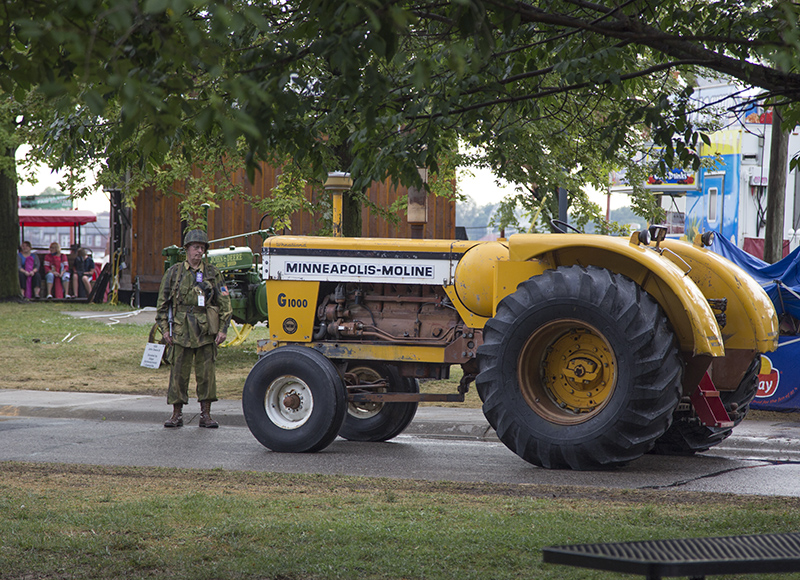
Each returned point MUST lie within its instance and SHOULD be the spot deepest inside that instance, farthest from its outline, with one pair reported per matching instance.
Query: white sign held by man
(153, 352)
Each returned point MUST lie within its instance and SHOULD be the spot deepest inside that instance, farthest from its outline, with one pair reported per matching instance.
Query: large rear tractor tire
(686, 436)
(294, 400)
(579, 369)
(377, 421)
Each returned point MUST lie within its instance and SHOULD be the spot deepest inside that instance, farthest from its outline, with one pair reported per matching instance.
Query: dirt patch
(774, 416)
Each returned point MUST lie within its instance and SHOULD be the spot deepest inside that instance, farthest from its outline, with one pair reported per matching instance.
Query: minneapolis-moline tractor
(587, 351)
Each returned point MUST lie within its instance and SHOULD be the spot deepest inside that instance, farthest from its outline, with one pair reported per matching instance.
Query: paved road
(761, 458)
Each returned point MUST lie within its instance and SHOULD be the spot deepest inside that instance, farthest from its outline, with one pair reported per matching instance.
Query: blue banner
(779, 379)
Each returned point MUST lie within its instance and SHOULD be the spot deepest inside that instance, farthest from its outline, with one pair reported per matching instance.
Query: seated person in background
(29, 279)
(84, 271)
(56, 264)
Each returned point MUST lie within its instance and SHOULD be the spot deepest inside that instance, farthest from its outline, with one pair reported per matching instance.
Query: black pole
(562, 204)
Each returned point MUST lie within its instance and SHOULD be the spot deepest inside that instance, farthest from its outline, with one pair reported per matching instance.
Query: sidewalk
(429, 421)
(773, 439)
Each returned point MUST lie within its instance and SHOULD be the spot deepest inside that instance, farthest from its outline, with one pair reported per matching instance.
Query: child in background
(84, 271)
(56, 264)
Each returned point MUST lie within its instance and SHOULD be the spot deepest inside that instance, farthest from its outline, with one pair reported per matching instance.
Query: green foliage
(288, 196)
(552, 95)
(206, 177)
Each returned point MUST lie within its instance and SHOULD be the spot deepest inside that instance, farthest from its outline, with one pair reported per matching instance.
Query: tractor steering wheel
(562, 227)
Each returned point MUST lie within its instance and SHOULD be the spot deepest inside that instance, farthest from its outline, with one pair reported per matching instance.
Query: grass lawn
(45, 348)
(48, 349)
(64, 521)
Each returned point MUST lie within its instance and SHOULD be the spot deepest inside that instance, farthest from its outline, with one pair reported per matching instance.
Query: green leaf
(95, 102)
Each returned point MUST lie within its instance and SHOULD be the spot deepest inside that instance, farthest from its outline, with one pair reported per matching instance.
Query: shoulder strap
(177, 279)
(174, 276)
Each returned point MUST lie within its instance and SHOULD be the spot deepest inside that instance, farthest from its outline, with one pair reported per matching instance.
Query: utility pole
(776, 189)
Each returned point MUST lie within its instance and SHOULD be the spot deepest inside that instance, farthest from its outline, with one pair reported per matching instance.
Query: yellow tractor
(587, 351)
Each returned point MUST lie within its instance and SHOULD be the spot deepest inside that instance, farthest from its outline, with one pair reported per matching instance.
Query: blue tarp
(781, 280)
(779, 379)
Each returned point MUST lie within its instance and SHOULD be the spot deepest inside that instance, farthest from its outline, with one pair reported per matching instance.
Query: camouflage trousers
(204, 359)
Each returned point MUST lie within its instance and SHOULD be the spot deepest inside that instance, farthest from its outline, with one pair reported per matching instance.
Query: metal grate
(762, 553)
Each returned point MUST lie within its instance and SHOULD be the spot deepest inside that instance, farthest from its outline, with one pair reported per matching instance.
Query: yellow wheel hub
(567, 371)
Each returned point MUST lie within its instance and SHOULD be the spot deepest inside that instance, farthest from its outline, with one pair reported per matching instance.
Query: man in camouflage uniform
(187, 291)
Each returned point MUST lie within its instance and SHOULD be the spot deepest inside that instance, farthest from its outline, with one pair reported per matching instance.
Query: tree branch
(633, 31)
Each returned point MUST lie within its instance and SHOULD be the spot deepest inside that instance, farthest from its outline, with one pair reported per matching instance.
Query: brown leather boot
(177, 416)
(205, 416)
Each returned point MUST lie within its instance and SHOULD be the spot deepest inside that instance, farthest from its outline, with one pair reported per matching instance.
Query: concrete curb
(105, 407)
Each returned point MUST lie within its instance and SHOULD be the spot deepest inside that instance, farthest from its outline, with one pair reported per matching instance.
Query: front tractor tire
(377, 421)
(294, 400)
(579, 369)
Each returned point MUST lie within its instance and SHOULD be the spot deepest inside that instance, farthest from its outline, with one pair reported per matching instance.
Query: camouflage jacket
(189, 293)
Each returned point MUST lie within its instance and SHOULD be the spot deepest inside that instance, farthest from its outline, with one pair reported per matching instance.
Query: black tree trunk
(9, 230)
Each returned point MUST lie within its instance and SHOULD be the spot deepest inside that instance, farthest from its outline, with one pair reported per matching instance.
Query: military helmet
(198, 236)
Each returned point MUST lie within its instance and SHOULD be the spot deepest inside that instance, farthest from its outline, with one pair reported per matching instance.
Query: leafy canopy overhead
(551, 93)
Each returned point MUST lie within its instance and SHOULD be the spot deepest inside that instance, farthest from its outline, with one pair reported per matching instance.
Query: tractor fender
(671, 286)
(752, 323)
